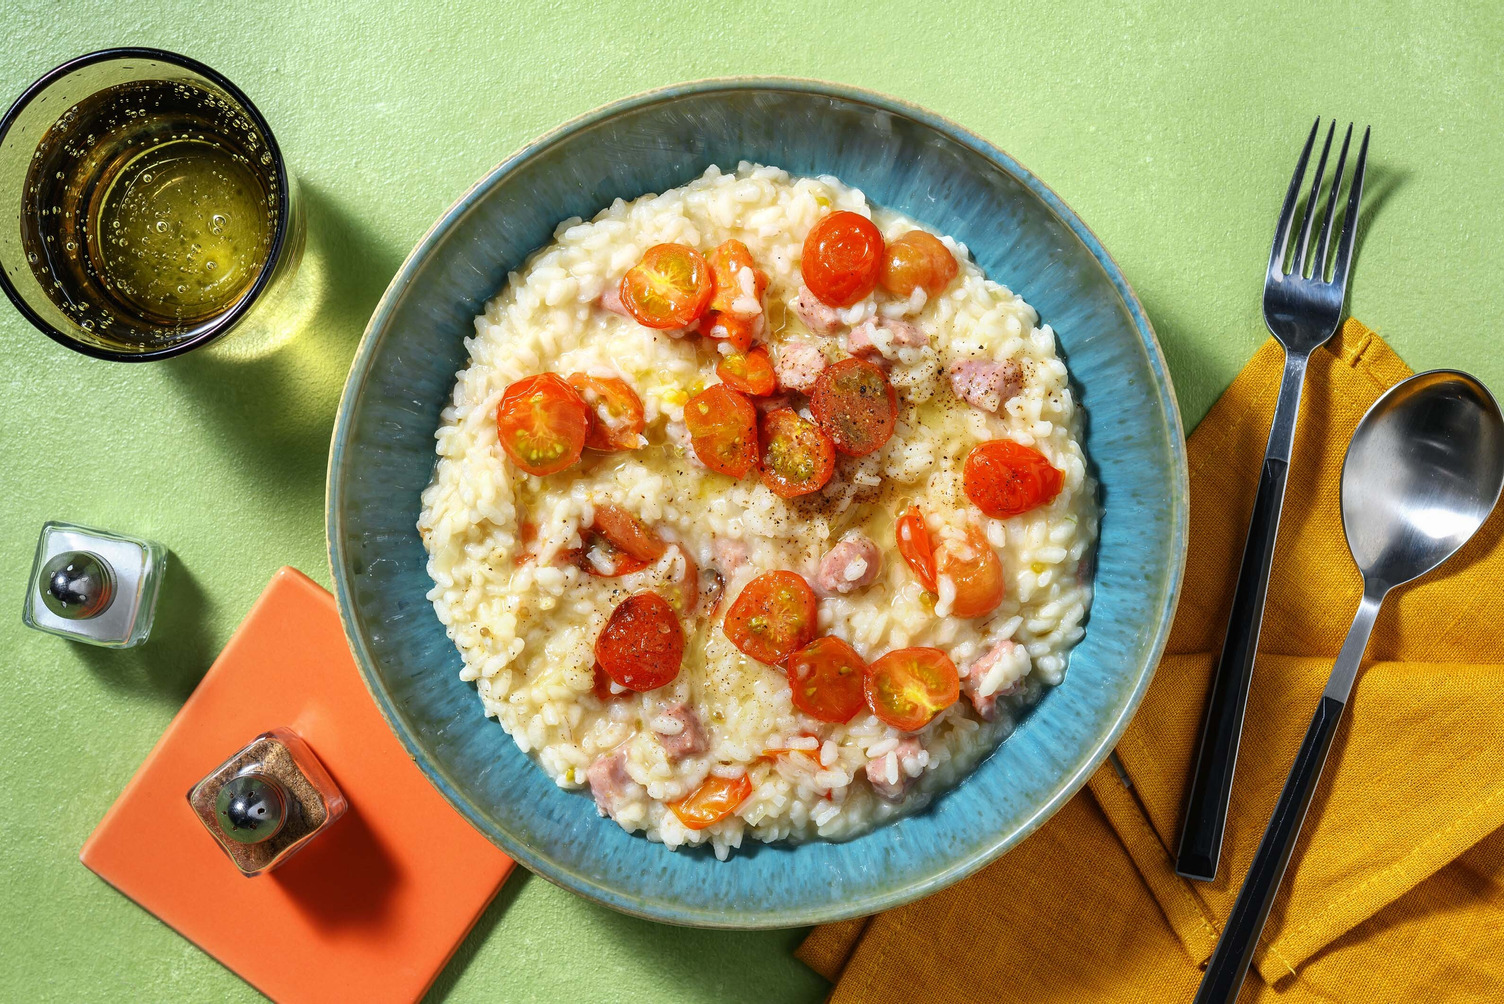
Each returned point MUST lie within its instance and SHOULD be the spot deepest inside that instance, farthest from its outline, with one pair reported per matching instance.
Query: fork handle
(1221, 731)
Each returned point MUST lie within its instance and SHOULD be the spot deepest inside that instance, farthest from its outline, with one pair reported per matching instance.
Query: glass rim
(229, 318)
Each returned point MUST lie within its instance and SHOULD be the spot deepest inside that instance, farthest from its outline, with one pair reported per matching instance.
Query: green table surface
(1171, 128)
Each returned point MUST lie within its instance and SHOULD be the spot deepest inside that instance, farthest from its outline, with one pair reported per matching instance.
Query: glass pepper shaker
(267, 801)
(94, 586)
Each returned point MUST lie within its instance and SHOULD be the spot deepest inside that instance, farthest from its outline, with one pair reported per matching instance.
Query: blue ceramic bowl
(904, 158)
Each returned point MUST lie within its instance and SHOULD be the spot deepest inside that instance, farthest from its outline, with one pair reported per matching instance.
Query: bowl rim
(537, 860)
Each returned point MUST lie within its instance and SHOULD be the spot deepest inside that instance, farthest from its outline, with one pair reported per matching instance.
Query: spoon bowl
(1422, 473)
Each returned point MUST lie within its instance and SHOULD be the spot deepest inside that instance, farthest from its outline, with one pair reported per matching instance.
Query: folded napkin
(1396, 888)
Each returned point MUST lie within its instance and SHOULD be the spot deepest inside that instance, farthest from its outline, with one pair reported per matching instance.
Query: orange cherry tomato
(973, 568)
(601, 685)
(722, 430)
(712, 801)
(918, 259)
(797, 456)
(542, 424)
(602, 558)
(843, 256)
(907, 688)
(774, 614)
(855, 404)
(749, 372)
(826, 680)
(628, 533)
(726, 263)
(740, 332)
(914, 544)
(670, 288)
(1004, 478)
(642, 644)
(616, 420)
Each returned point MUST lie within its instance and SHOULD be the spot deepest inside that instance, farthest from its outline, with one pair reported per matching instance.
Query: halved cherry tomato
(973, 568)
(797, 456)
(855, 404)
(542, 423)
(722, 430)
(774, 614)
(601, 686)
(628, 533)
(749, 372)
(642, 644)
(712, 801)
(726, 263)
(907, 688)
(843, 256)
(914, 544)
(737, 331)
(601, 557)
(616, 420)
(1005, 478)
(916, 259)
(826, 680)
(670, 288)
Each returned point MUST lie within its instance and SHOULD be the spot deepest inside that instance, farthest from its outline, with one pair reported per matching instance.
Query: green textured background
(1171, 128)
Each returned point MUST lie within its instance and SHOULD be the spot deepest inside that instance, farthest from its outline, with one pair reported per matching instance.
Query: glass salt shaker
(266, 802)
(94, 586)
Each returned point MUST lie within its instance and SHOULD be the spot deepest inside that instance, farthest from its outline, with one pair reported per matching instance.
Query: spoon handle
(1222, 729)
(1229, 963)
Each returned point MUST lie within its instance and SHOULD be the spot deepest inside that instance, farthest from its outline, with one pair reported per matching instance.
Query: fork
(1302, 308)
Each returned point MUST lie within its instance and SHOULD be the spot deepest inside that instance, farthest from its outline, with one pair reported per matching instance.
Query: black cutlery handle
(1229, 963)
(1217, 756)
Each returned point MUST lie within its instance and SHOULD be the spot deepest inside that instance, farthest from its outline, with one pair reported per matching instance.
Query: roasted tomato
(914, 544)
(907, 688)
(627, 532)
(542, 424)
(736, 293)
(974, 571)
(600, 557)
(642, 644)
(843, 256)
(722, 430)
(773, 615)
(616, 420)
(737, 331)
(855, 404)
(670, 288)
(601, 685)
(826, 680)
(918, 259)
(749, 372)
(712, 801)
(797, 456)
(1004, 478)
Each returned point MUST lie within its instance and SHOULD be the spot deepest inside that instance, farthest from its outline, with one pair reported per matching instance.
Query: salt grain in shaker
(94, 586)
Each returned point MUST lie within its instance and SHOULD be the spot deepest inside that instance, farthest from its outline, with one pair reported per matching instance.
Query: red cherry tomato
(1004, 478)
(826, 680)
(628, 533)
(726, 264)
(797, 456)
(542, 424)
(973, 568)
(914, 544)
(907, 688)
(740, 332)
(843, 256)
(712, 801)
(773, 615)
(601, 686)
(642, 644)
(855, 404)
(616, 419)
(670, 288)
(918, 259)
(750, 372)
(722, 430)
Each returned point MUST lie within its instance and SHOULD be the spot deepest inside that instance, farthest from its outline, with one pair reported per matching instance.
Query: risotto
(758, 510)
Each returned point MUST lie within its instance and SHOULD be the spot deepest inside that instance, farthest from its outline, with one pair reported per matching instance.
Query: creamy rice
(525, 623)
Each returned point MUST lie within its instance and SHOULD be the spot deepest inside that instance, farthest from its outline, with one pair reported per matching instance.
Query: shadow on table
(273, 389)
(178, 652)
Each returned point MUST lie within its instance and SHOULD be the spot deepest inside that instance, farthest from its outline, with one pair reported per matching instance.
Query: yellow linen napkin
(1396, 888)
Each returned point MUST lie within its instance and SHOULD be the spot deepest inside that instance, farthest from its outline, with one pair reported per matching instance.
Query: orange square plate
(373, 907)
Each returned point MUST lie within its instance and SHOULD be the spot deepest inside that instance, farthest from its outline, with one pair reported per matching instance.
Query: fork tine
(1319, 271)
(1287, 212)
(1350, 220)
(1299, 267)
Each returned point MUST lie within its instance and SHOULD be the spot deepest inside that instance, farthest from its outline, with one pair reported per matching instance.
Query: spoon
(1422, 473)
